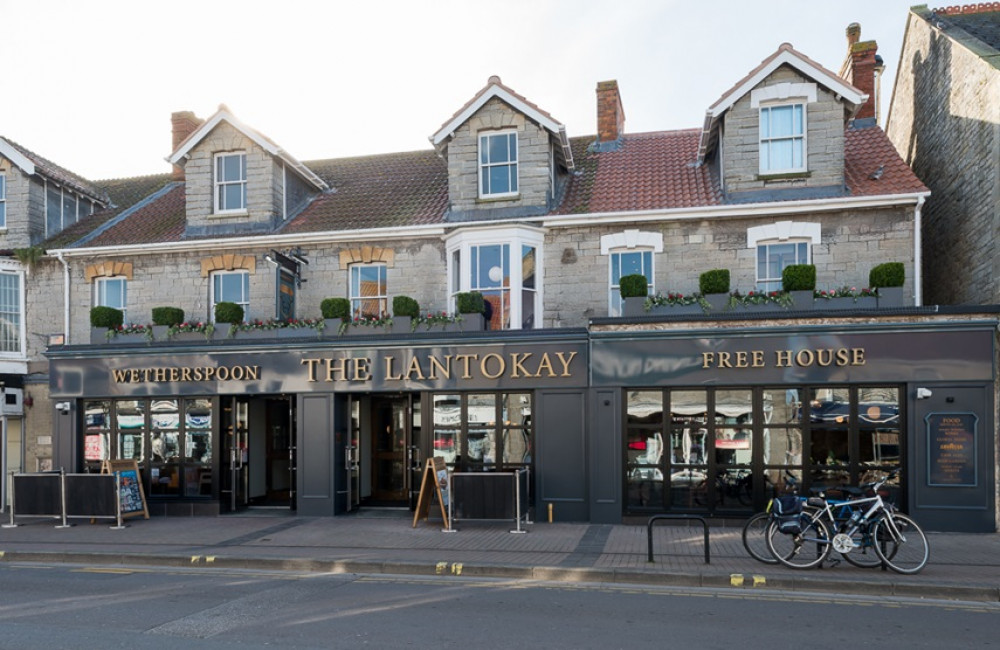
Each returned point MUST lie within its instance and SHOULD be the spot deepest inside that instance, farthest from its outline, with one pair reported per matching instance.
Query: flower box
(676, 310)
(98, 335)
(161, 332)
(402, 325)
(634, 306)
(867, 302)
(802, 299)
(364, 330)
(838, 303)
(890, 297)
(118, 339)
(717, 301)
(760, 306)
(189, 336)
(296, 333)
(473, 323)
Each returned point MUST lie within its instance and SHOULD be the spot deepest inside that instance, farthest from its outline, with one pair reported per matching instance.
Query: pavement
(962, 566)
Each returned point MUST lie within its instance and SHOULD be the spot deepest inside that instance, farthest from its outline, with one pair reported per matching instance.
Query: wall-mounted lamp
(63, 407)
(924, 393)
(270, 260)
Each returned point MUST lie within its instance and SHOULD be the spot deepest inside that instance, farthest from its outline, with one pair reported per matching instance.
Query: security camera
(924, 393)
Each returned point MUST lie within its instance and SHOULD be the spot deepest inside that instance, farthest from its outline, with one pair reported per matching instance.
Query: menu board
(951, 449)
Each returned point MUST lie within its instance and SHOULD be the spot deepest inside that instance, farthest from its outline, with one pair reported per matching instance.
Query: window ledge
(787, 176)
(229, 213)
(498, 198)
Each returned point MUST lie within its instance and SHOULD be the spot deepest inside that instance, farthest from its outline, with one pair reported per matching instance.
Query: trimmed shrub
(714, 281)
(228, 312)
(633, 286)
(168, 316)
(336, 308)
(798, 277)
(470, 302)
(405, 306)
(106, 317)
(889, 274)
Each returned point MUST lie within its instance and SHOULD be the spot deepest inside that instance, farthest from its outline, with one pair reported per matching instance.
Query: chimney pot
(183, 124)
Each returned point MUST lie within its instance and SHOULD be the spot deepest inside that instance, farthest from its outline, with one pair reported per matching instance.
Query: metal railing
(655, 518)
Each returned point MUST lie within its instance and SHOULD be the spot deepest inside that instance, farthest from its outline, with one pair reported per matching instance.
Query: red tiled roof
(650, 171)
(59, 174)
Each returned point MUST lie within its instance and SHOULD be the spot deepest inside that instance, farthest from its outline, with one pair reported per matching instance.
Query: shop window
(483, 431)
(369, 291)
(504, 265)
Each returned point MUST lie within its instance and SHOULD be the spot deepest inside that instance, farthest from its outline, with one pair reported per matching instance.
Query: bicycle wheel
(755, 538)
(912, 550)
(863, 554)
(805, 550)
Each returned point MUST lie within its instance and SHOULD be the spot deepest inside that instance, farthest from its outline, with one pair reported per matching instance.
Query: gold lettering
(857, 356)
(335, 367)
(486, 359)
(414, 368)
(119, 375)
(842, 357)
(236, 373)
(805, 358)
(361, 372)
(783, 358)
(209, 373)
(185, 374)
(724, 360)
(160, 374)
(707, 358)
(758, 358)
(252, 373)
(445, 368)
(547, 364)
(466, 359)
(196, 373)
(565, 363)
(824, 357)
(175, 374)
(741, 359)
(311, 368)
(146, 373)
(389, 375)
(517, 369)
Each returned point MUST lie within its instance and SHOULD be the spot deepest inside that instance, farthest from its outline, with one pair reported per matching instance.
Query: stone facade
(945, 122)
(25, 208)
(534, 164)
(824, 141)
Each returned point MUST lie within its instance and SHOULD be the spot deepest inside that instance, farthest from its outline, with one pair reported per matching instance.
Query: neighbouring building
(944, 120)
(615, 415)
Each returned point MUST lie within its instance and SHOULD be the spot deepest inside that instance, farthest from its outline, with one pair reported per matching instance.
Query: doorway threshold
(263, 511)
(382, 513)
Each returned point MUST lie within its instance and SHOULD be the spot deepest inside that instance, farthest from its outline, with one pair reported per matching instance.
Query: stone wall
(824, 140)
(944, 120)
(534, 159)
(25, 208)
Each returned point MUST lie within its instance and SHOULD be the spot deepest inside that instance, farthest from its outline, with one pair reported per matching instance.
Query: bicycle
(897, 540)
(755, 528)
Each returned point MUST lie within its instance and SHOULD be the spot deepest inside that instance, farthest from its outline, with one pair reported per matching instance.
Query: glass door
(390, 440)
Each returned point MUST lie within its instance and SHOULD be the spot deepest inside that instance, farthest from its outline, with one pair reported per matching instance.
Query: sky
(91, 84)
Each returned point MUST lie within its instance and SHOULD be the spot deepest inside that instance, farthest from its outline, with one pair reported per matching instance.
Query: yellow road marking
(736, 579)
(759, 581)
(441, 566)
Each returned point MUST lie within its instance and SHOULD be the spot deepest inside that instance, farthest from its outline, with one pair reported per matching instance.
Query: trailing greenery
(798, 277)
(633, 286)
(29, 256)
(888, 274)
(168, 316)
(405, 306)
(714, 281)
(336, 308)
(106, 317)
(228, 312)
(470, 302)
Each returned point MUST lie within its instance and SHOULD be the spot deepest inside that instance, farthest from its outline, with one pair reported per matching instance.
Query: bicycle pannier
(787, 514)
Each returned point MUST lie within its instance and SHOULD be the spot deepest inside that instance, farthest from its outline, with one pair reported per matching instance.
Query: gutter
(918, 278)
(66, 281)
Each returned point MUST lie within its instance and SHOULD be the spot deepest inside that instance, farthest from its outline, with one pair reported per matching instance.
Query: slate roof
(981, 21)
(59, 174)
(650, 171)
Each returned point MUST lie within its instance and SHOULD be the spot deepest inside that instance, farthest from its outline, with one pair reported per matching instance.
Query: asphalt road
(67, 606)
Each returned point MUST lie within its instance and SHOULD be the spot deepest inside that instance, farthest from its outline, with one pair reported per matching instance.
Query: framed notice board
(130, 492)
(952, 449)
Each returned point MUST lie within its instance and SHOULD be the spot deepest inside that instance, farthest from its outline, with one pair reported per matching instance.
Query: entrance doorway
(259, 439)
(384, 453)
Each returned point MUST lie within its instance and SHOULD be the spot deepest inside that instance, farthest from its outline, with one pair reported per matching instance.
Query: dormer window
(498, 165)
(230, 182)
(782, 138)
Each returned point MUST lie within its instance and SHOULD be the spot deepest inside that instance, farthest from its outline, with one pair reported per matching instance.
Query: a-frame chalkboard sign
(435, 474)
(130, 492)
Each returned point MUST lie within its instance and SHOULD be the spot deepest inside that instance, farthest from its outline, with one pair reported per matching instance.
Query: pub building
(629, 418)
(616, 415)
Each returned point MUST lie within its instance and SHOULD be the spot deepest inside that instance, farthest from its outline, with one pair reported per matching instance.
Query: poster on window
(951, 449)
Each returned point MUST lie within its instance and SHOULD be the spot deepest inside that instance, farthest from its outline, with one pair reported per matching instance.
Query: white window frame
(245, 302)
(101, 293)
(3, 201)
(626, 242)
(218, 184)
(798, 139)
(484, 166)
(15, 270)
(782, 232)
(459, 255)
(356, 300)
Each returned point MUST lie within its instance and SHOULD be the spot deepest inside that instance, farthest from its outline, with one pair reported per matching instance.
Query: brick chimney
(862, 69)
(183, 124)
(610, 114)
